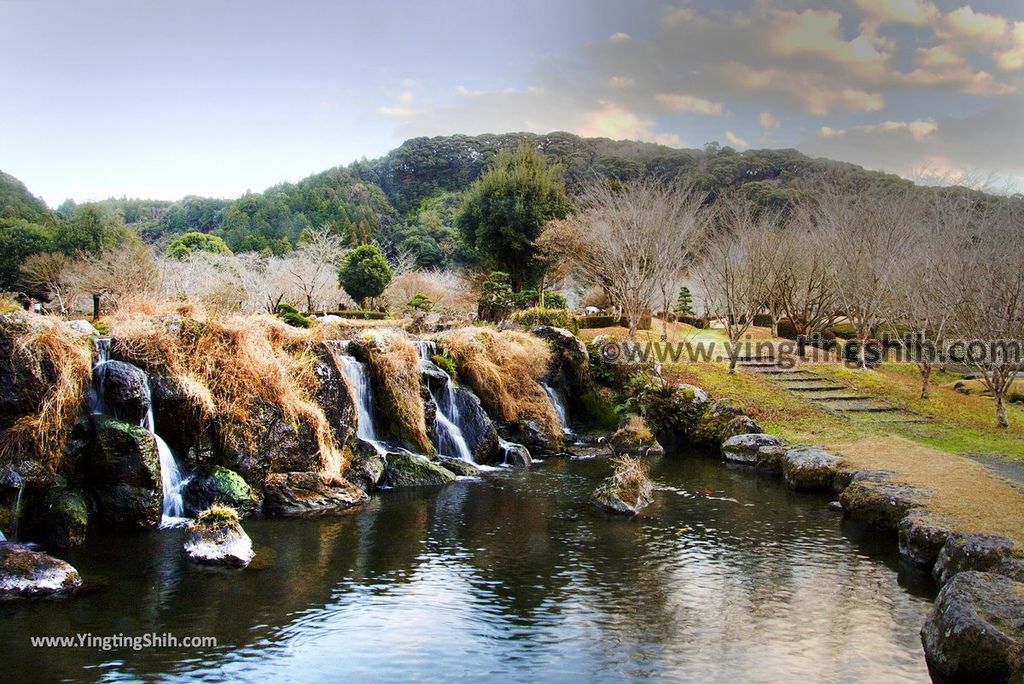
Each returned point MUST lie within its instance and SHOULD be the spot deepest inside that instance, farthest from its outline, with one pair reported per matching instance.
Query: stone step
(816, 388)
(804, 378)
(842, 397)
(867, 409)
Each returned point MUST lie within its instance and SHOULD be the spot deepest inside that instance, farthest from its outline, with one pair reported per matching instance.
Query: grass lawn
(929, 454)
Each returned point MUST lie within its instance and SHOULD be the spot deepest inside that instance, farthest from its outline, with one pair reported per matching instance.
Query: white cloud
(976, 27)
(915, 12)
(619, 37)
(688, 104)
(736, 141)
(818, 33)
(612, 121)
(767, 120)
(1013, 57)
(918, 130)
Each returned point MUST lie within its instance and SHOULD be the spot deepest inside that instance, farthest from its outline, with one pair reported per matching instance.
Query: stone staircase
(831, 395)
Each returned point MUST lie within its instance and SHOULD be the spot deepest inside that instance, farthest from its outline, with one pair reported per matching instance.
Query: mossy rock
(219, 485)
(880, 504)
(405, 469)
(125, 475)
(25, 573)
(65, 517)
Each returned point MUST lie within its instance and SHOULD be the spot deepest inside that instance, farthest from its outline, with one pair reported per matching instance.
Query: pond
(728, 576)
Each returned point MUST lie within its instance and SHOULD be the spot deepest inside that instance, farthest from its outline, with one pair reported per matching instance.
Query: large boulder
(626, 492)
(65, 517)
(880, 504)
(634, 438)
(723, 419)
(809, 468)
(975, 631)
(178, 418)
(406, 469)
(278, 446)
(124, 389)
(294, 494)
(82, 327)
(744, 448)
(459, 467)
(333, 393)
(216, 537)
(569, 373)
(125, 475)
(25, 573)
(964, 551)
(922, 534)
(477, 427)
(515, 455)
(366, 468)
(219, 485)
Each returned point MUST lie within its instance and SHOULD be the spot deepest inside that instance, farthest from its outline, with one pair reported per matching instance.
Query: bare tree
(985, 292)
(627, 238)
(870, 233)
(128, 270)
(50, 275)
(735, 270)
(804, 282)
(314, 265)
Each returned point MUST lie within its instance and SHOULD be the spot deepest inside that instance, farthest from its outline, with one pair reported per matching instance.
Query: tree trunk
(862, 354)
(1001, 420)
(926, 374)
(732, 363)
(633, 324)
(95, 307)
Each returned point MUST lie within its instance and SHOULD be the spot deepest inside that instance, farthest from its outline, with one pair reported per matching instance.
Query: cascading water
(355, 372)
(556, 402)
(449, 437)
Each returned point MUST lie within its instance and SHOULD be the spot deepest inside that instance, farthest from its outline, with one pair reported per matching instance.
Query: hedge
(598, 321)
(360, 315)
(534, 316)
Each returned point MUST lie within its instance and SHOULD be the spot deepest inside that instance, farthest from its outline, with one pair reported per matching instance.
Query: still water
(727, 577)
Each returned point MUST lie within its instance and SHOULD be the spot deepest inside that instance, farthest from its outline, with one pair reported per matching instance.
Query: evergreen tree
(684, 304)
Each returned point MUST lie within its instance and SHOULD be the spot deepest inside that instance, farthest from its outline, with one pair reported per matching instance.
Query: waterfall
(16, 518)
(355, 372)
(556, 402)
(449, 438)
(96, 405)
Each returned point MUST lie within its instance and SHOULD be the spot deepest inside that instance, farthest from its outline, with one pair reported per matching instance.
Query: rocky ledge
(25, 573)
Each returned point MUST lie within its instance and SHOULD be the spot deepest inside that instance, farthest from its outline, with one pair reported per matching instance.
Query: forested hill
(407, 198)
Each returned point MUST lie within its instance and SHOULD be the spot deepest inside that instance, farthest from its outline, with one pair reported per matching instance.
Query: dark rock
(179, 421)
(743, 448)
(975, 631)
(845, 476)
(634, 438)
(459, 467)
(809, 468)
(836, 506)
(769, 458)
(125, 475)
(515, 455)
(219, 485)
(124, 390)
(612, 497)
(366, 469)
(922, 535)
(65, 517)
(880, 505)
(964, 551)
(333, 393)
(477, 427)
(25, 573)
(570, 375)
(277, 447)
(216, 537)
(406, 469)
(292, 494)
(531, 435)
(1010, 567)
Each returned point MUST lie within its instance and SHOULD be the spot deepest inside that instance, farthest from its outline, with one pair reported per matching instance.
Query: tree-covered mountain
(407, 199)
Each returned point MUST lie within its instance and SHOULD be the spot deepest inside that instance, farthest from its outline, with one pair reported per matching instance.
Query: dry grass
(44, 343)
(962, 489)
(630, 476)
(395, 364)
(505, 369)
(232, 368)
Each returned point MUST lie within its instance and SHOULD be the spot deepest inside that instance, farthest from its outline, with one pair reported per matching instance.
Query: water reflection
(727, 576)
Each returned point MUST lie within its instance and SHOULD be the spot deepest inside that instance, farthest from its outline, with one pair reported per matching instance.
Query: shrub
(445, 363)
(786, 329)
(420, 302)
(643, 324)
(534, 316)
(668, 408)
(762, 320)
(496, 297)
(360, 315)
(186, 244)
(629, 480)
(364, 273)
(595, 321)
(554, 300)
(290, 315)
(700, 323)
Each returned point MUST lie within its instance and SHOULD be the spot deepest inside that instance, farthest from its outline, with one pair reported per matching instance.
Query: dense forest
(407, 200)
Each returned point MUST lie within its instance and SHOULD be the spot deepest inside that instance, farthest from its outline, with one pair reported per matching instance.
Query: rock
(82, 327)
(65, 517)
(333, 393)
(845, 476)
(974, 631)
(125, 475)
(1010, 567)
(216, 537)
(723, 419)
(880, 505)
(293, 494)
(25, 573)
(124, 389)
(740, 425)
(515, 455)
(922, 535)
(743, 448)
(809, 468)
(634, 438)
(406, 469)
(835, 506)
(331, 319)
(366, 469)
(570, 374)
(477, 427)
(459, 467)
(963, 551)
(277, 447)
(219, 485)
(529, 434)
(769, 458)
(616, 497)
(179, 421)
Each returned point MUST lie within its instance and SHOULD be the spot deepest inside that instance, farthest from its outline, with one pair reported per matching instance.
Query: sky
(160, 99)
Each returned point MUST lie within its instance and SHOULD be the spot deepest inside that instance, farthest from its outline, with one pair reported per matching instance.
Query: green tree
(19, 240)
(506, 209)
(181, 247)
(497, 300)
(684, 304)
(420, 302)
(91, 229)
(364, 273)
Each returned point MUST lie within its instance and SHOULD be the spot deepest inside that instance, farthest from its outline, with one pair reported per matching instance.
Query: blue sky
(162, 99)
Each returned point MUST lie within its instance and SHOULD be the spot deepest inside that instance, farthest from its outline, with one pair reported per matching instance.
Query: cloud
(817, 32)
(918, 130)
(688, 104)
(612, 121)
(914, 12)
(736, 141)
(767, 120)
(976, 27)
(1013, 57)
(619, 37)
(817, 94)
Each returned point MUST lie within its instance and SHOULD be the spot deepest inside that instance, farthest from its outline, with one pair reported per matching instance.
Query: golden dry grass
(505, 369)
(395, 363)
(44, 343)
